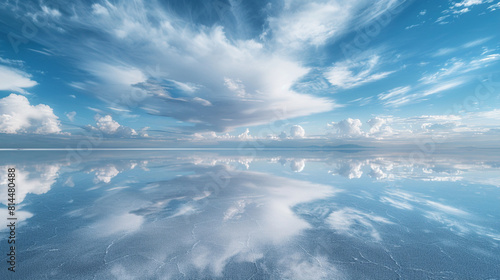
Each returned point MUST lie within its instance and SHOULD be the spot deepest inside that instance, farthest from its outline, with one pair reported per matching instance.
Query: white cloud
(474, 43)
(454, 67)
(202, 101)
(236, 86)
(205, 60)
(71, 116)
(313, 23)
(468, 3)
(15, 80)
(494, 7)
(107, 125)
(245, 135)
(14, 62)
(297, 131)
(378, 125)
(435, 127)
(393, 93)
(17, 115)
(441, 19)
(353, 73)
(99, 9)
(465, 6)
(347, 128)
(50, 11)
(112, 128)
(452, 74)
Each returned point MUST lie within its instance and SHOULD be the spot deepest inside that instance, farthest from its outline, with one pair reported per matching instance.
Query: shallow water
(263, 215)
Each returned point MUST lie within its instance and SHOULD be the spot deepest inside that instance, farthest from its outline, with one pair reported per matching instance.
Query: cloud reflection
(220, 216)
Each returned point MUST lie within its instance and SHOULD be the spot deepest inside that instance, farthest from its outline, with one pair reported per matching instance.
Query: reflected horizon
(265, 215)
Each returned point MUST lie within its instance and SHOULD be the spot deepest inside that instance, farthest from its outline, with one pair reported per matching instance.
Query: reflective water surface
(265, 215)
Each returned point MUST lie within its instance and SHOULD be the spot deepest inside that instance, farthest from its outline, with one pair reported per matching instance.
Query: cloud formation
(15, 80)
(111, 128)
(347, 128)
(17, 115)
(296, 131)
(194, 73)
(352, 73)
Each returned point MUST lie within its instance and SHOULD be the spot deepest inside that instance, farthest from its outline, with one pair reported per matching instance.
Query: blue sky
(169, 73)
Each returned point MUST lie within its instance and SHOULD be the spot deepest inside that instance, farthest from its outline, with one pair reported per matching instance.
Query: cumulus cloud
(347, 128)
(435, 127)
(379, 127)
(112, 128)
(17, 115)
(15, 80)
(297, 131)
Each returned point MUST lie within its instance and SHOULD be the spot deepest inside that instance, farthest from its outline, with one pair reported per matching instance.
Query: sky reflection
(306, 215)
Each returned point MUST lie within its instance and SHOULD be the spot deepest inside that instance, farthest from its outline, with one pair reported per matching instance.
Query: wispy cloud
(474, 43)
(352, 73)
(224, 71)
(452, 74)
(15, 80)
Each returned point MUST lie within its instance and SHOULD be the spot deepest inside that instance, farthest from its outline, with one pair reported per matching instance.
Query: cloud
(353, 222)
(105, 173)
(71, 116)
(393, 94)
(297, 165)
(107, 125)
(352, 73)
(112, 128)
(297, 131)
(494, 7)
(466, 6)
(435, 127)
(98, 9)
(302, 24)
(379, 125)
(453, 73)
(347, 128)
(237, 82)
(245, 135)
(34, 179)
(14, 62)
(15, 80)
(468, 3)
(454, 67)
(474, 43)
(17, 115)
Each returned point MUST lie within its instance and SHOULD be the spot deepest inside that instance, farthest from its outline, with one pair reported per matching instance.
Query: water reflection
(179, 215)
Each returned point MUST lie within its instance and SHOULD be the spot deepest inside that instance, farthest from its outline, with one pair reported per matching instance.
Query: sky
(221, 73)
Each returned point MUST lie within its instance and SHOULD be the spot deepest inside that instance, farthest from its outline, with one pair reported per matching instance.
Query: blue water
(267, 215)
